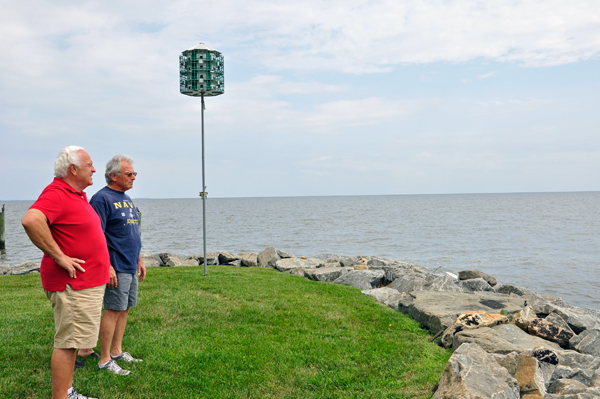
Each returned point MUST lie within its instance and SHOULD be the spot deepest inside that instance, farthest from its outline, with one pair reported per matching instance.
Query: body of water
(548, 242)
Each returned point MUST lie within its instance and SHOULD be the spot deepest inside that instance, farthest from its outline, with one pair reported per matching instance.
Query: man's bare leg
(107, 331)
(116, 347)
(85, 352)
(63, 364)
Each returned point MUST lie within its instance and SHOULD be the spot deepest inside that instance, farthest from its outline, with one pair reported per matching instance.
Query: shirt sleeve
(50, 204)
(100, 205)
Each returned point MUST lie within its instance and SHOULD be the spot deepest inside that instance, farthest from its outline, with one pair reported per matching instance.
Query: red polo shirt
(77, 230)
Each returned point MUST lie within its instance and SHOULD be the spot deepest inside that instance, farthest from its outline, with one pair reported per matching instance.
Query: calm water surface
(549, 242)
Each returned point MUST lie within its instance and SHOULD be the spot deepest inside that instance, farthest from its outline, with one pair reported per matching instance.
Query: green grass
(235, 333)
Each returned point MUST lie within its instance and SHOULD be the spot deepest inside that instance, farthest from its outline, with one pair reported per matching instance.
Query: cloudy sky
(351, 97)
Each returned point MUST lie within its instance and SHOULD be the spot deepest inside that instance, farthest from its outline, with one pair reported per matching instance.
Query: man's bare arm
(35, 224)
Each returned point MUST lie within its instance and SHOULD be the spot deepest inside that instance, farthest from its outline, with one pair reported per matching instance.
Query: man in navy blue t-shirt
(120, 223)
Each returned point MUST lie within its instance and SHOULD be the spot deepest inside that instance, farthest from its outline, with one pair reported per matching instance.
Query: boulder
(473, 285)
(595, 382)
(546, 330)
(211, 259)
(469, 321)
(508, 361)
(566, 385)
(529, 376)
(578, 319)
(284, 255)
(268, 258)
(363, 279)
(225, 258)
(471, 373)
(574, 359)
(328, 274)
(581, 375)
(387, 296)
(442, 283)
(249, 259)
(151, 260)
(20, 269)
(503, 339)
(556, 319)
(512, 289)
(437, 311)
(170, 260)
(408, 283)
(441, 272)
(587, 342)
(474, 274)
(287, 264)
(237, 263)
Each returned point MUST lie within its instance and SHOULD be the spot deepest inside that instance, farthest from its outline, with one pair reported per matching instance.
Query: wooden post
(2, 242)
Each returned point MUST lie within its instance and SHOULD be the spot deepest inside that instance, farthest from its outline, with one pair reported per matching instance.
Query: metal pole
(2, 243)
(203, 193)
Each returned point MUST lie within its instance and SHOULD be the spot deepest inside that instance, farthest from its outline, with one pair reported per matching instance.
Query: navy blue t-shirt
(121, 226)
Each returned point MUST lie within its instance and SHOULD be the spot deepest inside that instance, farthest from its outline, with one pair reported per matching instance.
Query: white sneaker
(126, 357)
(113, 367)
(76, 395)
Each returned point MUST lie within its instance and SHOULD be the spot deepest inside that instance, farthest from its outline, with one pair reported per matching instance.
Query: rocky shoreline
(508, 341)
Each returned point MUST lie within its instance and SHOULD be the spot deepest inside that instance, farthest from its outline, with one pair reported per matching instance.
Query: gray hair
(114, 166)
(66, 157)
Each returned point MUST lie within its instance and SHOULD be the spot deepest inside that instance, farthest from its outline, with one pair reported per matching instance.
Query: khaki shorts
(76, 316)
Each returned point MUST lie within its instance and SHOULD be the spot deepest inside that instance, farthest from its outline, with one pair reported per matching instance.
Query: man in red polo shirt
(75, 264)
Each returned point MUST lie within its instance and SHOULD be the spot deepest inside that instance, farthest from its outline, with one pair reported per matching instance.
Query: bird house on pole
(201, 75)
(201, 72)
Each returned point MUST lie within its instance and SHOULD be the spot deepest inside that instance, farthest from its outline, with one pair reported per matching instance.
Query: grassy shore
(235, 333)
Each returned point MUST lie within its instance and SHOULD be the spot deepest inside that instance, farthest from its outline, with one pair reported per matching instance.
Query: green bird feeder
(201, 75)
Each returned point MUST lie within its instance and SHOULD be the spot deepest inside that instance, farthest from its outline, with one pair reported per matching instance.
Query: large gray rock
(20, 269)
(408, 283)
(151, 260)
(473, 274)
(567, 386)
(249, 259)
(327, 274)
(556, 319)
(508, 361)
(577, 374)
(284, 255)
(512, 289)
(387, 296)
(442, 283)
(169, 260)
(225, 258)
(212, 258)
(574, 359)
(268, 258)
(587, 342)
(471, 373)
(437, 310)
(503, 339)
(363, 279)
(578, 319)
(473, 285)
(287, 264)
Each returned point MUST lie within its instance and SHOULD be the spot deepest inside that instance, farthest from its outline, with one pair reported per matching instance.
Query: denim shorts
(124, 295)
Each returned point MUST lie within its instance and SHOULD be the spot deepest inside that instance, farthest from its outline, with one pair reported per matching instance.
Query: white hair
(114, 166)
(68, 156)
